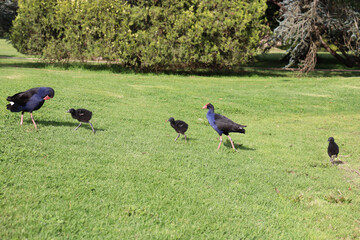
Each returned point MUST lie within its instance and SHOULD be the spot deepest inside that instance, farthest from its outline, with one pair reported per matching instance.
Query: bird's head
(46, 93)
(208, 106)
(71, 110)
(331, 139)
(171, 119)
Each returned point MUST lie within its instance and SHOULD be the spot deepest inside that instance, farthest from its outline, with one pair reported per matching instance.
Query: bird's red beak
(47, 98)
(204, 107)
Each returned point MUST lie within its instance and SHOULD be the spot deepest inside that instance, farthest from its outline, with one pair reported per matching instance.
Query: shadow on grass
(116, 68)
(337, 162)
(265, 65)
(8, 56)
(181, 139)
(23, 64)
(65, 124)
(53, 123)
(239, 147)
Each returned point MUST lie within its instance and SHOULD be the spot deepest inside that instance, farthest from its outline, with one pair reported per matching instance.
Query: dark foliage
(8, 13)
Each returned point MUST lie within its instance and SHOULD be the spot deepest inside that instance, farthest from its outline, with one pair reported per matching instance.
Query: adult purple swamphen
(82, 115)
(179, 126)
(29, 101)
(333, 149)
(222, 125)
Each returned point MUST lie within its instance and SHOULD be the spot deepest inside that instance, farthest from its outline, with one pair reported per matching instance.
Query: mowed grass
(131, 181)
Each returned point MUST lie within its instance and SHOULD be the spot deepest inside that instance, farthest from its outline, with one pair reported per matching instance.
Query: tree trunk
(332, 52)
(353, 61)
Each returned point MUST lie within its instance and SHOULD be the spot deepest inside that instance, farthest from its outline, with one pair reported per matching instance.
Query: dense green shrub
(143, 33)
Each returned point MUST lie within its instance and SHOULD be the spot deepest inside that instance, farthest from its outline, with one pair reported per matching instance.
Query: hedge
(142, 34)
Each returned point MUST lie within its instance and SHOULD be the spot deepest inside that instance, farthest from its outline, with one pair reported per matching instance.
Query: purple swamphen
(222, 125)
(29, 101)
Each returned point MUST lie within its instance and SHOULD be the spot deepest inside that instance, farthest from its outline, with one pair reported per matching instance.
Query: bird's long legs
(332, 158)
(232, 143)
(92, 127)
(177, 137)
(32, 118)
(22, 118)
(220, 143)
(78, 126)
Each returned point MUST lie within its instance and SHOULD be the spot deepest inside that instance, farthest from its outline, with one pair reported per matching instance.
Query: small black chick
(333, 149)
(179, 126)
(82, 115)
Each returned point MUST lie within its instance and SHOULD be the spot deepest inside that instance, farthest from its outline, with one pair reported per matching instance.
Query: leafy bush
(142, 34)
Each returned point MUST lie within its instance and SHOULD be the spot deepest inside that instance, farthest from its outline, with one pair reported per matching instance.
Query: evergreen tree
(308, 25)
(7, 15)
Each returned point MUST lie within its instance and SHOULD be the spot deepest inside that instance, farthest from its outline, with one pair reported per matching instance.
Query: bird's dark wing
(336, 151)
(22, 98)
(227, 125)
(329, 151)
(83, 115)
(181, 126)
(82, 111)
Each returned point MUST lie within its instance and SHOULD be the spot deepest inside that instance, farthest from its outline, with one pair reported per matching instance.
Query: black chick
(82, 115)
(333, 149)
(179, 126)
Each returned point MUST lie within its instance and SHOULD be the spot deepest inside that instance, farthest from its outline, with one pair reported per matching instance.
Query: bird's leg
(232, 143)
(22, 118)
(78, 126)
(92, 127)
(177, 137)
(185, 137)
(32, 118)
(220, 143)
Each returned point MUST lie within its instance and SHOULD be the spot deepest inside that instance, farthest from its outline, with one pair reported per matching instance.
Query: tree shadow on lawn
(25, 64)
(116, 68)
(261, 70)
(7, 56)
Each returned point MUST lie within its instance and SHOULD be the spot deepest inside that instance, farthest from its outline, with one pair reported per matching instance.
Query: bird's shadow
(238, 146)
(188, 139)
(182, 139)
(337, 162)
(52, 123)
(191, 139)
(64, 124)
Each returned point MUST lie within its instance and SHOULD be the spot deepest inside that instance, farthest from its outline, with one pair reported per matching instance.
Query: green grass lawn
(131, 181)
